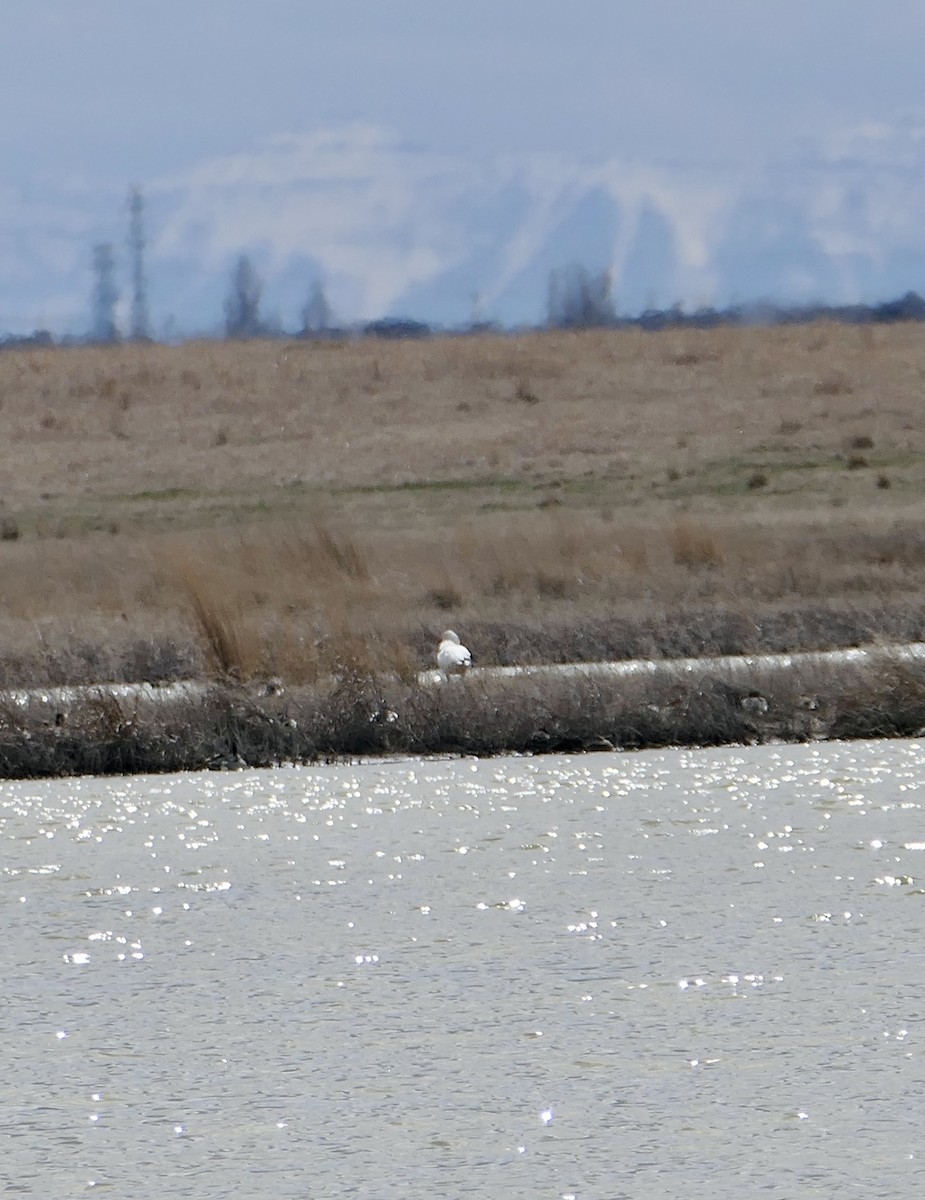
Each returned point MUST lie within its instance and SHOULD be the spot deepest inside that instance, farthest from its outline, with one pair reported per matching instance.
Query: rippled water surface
(663, 974)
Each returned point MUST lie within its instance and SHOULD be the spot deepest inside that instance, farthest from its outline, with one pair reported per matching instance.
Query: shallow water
(623, 975)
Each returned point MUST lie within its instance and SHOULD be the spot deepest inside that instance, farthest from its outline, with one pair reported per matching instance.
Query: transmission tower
(105, 295)
(136, 240)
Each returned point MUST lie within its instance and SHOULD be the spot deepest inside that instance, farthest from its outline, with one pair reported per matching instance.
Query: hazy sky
(131, 89)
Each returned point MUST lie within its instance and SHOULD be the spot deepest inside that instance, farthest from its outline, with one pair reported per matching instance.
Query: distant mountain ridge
(393, 230)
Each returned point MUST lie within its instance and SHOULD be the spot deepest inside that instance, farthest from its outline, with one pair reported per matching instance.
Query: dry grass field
(282, 507)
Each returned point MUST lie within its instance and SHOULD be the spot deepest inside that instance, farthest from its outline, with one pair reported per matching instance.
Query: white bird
(452, 657)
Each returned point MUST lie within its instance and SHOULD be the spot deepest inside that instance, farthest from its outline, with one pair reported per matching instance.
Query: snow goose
(452, 657)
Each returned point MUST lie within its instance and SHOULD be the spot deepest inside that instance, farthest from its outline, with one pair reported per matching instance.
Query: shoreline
(872, 691)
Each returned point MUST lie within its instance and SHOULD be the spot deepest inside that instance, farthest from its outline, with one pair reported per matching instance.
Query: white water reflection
(612, 975)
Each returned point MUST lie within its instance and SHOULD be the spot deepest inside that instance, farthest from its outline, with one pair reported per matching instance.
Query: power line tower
(105, 294)
(140, 329)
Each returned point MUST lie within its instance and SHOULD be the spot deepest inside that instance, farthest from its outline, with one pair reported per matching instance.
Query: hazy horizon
(687, 101)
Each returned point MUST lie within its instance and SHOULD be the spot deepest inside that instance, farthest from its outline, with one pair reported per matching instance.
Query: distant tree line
(576, 298)
(243, 318)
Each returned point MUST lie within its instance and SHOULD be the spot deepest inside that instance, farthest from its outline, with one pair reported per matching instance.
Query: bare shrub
(525, 394)
(884, 702)
(757, 479)
(833, 384)
(446, 597)
(694, 546)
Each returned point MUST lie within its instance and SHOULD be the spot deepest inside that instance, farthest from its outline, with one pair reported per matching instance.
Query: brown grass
(207, 432)
(292, 509)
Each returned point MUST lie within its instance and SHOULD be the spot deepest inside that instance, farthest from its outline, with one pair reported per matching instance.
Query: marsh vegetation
(310, 511)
